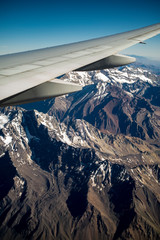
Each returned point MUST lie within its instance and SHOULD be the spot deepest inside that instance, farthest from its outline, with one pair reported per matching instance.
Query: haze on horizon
(27, 25)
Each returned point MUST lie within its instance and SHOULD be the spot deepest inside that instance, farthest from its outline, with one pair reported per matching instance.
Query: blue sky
(33, 24)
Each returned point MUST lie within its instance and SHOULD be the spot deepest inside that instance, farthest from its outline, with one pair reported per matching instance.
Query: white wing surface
(24, 76)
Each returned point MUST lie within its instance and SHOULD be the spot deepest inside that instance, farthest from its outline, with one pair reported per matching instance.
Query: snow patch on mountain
(102, 77)
(6, 140)
(82, 78)
(3, 120)
(125, 75)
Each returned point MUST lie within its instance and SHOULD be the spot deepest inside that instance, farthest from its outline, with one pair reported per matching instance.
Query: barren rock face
(87, 169)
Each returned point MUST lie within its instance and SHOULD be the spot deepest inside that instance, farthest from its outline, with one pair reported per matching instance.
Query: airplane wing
(31, 76)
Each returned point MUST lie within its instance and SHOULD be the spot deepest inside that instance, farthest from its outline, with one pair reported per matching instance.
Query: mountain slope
(119, 101)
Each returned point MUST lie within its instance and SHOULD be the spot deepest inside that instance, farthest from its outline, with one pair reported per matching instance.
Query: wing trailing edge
(112, 61)
(44, 91)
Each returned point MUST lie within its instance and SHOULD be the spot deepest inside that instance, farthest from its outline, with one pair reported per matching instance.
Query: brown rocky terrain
(87, 169)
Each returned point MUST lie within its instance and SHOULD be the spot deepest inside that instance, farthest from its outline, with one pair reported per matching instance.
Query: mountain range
(86, 165)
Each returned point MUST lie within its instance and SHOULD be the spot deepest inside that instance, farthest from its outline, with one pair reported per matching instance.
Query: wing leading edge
(30, 76)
